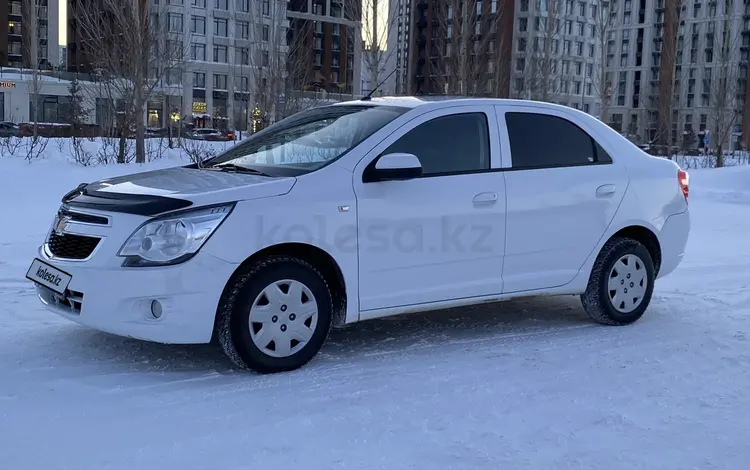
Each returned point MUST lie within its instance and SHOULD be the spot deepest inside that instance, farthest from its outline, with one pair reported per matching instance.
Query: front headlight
(174, 238)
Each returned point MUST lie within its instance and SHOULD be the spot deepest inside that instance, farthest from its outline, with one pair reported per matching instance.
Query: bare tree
(604, 21)
(468, 54)
(543, 72)
(303, 88)
(267, 56)
(36, 27)
(377, 19)
(135, 48)
(666, 101)
(721, 83)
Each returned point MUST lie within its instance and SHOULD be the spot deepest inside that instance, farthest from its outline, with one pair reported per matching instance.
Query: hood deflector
(136, 204)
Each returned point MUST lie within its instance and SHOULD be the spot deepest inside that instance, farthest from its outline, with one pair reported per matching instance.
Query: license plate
(48, 276)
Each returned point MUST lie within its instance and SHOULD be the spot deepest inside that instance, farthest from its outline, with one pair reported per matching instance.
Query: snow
(103, 150)
(525, 384)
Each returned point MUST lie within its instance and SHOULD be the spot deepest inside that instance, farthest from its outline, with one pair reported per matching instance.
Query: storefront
(155, 113)
(43, 99)
(4, 85)
(201, 118)
(220, 110)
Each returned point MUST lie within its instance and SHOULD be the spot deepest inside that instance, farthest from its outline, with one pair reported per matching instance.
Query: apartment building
(671, 83)
(232, 64)
(325, 45)
(460, 48)
(29, 34)
(556, 52)
(398, 44)
(236, 59)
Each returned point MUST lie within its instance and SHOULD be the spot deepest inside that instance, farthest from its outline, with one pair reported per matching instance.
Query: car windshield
(307, 140)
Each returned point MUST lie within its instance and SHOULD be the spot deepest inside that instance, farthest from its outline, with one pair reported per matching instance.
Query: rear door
(563, 190)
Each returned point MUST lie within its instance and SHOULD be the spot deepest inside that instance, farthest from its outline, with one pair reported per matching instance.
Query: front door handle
(605, 190)
(485, 198)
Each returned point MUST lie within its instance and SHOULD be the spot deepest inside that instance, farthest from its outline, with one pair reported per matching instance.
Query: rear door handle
(605, 190)
(485, 198)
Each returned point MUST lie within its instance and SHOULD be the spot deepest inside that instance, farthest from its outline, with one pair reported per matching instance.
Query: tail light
(683, 178)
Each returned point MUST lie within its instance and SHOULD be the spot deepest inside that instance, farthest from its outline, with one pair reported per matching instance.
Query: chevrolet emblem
(61, 224)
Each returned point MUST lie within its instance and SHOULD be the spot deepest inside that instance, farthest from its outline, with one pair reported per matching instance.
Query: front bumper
(118, 300)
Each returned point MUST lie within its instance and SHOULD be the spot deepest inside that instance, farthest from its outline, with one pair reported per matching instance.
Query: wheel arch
(315, 256)
(645, 236)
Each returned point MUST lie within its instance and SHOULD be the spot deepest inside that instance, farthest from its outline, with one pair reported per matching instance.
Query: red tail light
(683, 178)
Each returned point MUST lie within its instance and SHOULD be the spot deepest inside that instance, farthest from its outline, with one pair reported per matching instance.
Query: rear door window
(545, 141)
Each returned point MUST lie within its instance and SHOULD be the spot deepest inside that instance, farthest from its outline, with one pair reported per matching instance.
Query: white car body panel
(545, 229)
(430, 239)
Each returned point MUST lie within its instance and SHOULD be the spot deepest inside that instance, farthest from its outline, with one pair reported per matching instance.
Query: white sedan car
(363, 210)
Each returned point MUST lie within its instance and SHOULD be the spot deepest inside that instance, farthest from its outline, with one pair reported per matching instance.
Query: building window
(266, 33)
(242, 56)
(49, 108)
(175, 22)
(220, 54)
(243, 28)
(523, 23)
(198, 25)
(220, 27)
(174, 77)
(243, 5)
(220, 81)
(197, 51)
(199, 80)
(221, 4)
(199, 3)
(2, 106)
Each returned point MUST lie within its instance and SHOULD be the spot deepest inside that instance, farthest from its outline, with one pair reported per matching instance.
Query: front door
(440, 236)
(563, 190)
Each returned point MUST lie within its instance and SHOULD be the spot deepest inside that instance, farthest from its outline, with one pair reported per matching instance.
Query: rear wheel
(275, 316)
(621, 283)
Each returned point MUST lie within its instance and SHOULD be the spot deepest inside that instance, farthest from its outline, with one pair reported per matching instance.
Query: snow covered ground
(526, 384)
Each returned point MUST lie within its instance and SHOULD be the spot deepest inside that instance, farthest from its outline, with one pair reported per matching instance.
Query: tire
(626, 262)
(258, 293)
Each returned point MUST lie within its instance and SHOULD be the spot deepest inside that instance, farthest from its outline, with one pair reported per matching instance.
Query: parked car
(9, 129)
(362, 210)
(208, 134)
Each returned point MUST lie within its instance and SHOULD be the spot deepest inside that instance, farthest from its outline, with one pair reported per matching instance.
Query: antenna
(369, 95)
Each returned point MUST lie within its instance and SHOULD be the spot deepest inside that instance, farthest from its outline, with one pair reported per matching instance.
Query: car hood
(158, 191)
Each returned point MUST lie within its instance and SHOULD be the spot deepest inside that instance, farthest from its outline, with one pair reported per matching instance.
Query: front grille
(88, 218)
(71, 246)
(84, 218)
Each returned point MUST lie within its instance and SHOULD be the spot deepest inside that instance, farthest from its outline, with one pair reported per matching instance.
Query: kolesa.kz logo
(44, 275)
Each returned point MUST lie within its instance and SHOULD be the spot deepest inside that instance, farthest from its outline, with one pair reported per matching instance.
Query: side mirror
(392, 167)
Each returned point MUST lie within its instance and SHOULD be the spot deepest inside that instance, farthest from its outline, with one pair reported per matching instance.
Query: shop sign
(7, 85)
(199, 108)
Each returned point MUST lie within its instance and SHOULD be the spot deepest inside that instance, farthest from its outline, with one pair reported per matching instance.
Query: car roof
(437, 102)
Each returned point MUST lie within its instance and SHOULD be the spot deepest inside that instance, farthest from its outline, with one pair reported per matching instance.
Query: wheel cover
(628, 281)
(283, 318)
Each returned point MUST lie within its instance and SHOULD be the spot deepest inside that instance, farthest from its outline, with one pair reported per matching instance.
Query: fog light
(156, 309)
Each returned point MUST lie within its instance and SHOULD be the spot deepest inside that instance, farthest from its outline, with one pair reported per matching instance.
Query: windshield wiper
(232, 168)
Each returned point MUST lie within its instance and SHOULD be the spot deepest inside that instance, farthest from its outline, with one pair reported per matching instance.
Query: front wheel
(621, 283)
(275, 315)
